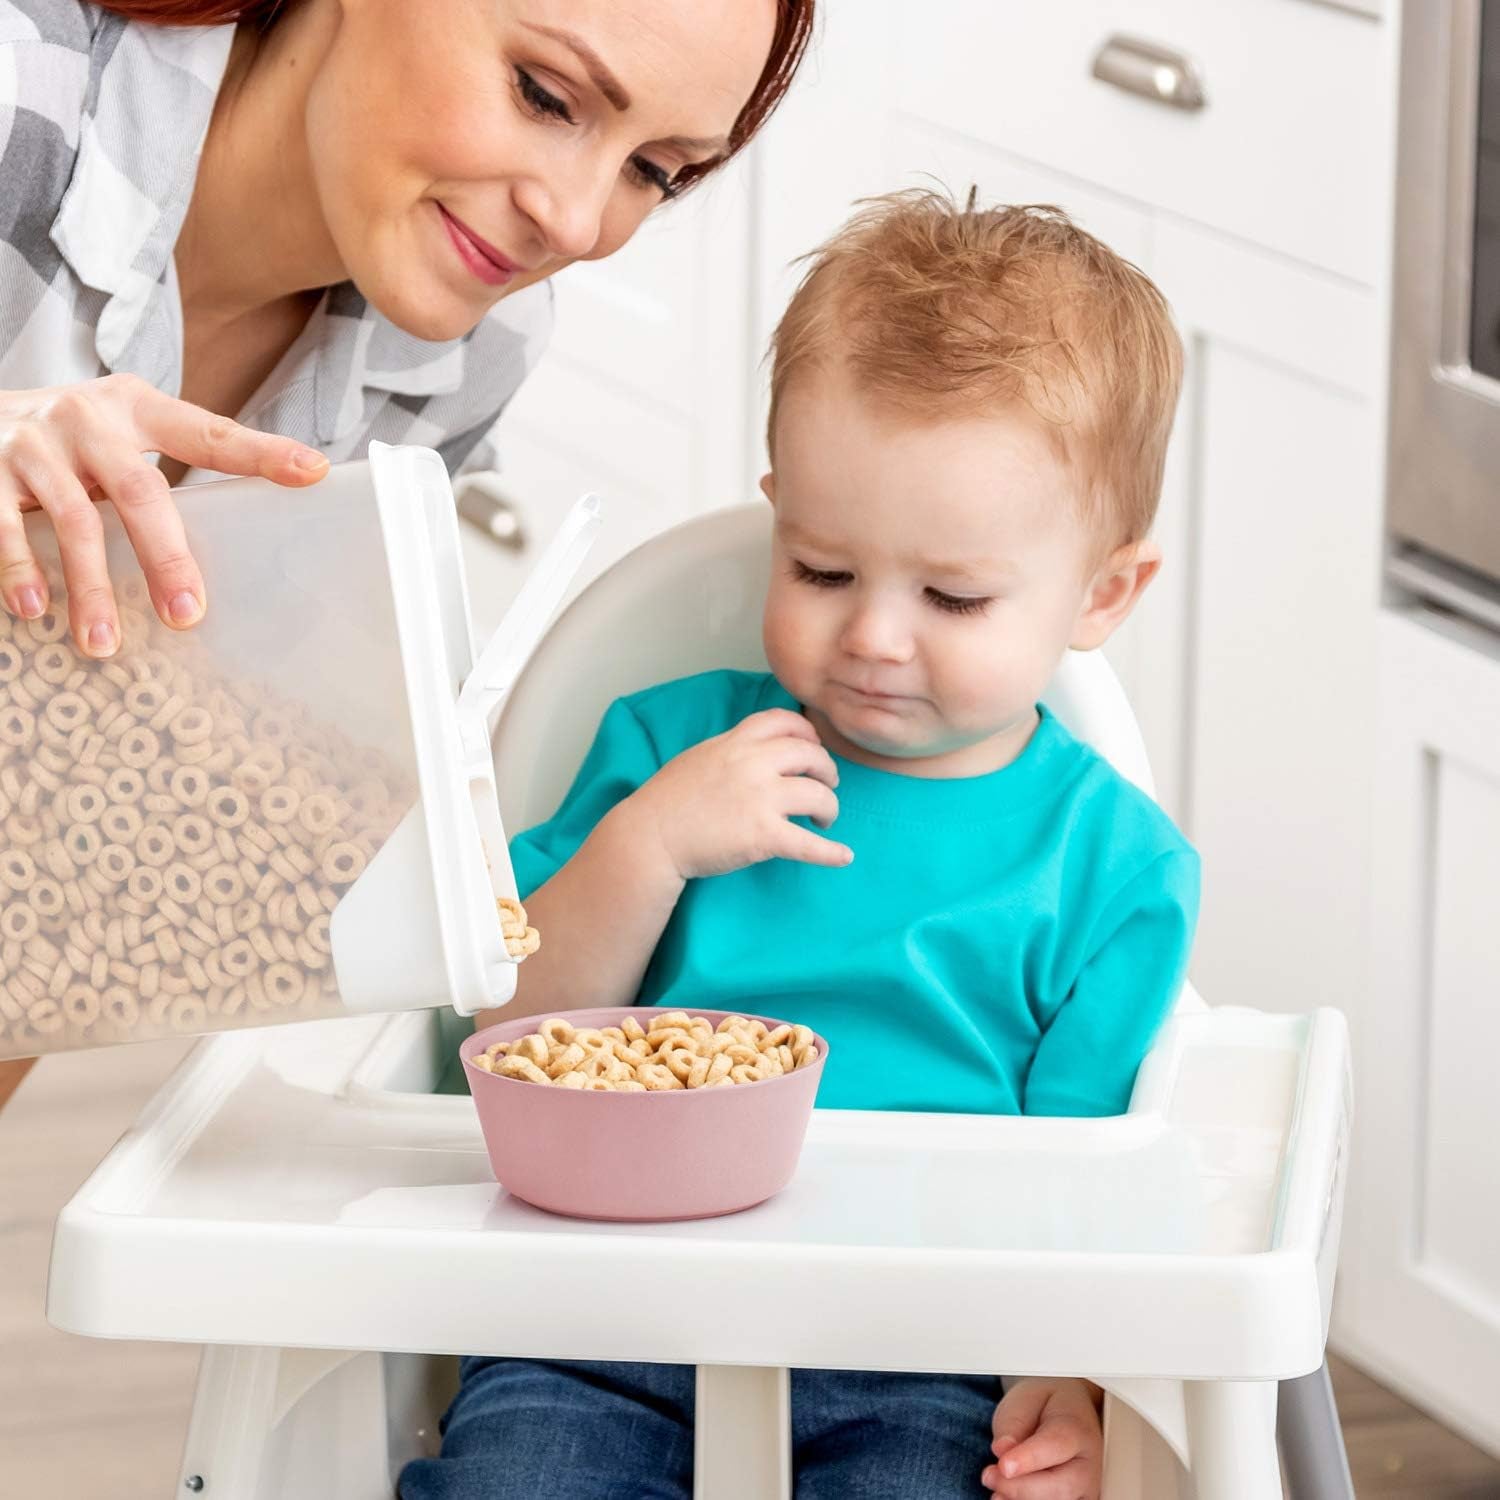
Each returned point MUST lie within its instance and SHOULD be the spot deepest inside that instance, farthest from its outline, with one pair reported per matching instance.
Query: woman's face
(463, 149)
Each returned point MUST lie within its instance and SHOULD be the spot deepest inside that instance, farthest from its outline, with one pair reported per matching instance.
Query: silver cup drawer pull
(484, 505)
(1153, 72)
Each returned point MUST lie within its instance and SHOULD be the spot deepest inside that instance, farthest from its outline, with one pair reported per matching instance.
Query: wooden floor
(81, 1419)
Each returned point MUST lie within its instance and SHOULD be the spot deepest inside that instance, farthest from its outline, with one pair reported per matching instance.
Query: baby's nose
(876, 635)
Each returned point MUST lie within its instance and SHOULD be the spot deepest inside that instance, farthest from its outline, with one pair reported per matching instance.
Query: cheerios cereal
(672, 1051)
(172, 843)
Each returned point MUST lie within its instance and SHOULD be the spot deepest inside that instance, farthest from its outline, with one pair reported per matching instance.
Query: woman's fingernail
(183, 608)
(101, 638)
(29, 600)
(310, 459)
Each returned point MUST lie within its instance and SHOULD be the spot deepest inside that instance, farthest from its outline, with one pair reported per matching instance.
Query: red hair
(934, 308)
(794, 23)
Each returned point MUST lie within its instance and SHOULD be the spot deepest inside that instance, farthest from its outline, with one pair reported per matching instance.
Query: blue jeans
(522, 1429)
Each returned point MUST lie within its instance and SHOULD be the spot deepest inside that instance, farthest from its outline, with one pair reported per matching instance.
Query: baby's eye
(957, 604)
(819, 577)
(539, 100)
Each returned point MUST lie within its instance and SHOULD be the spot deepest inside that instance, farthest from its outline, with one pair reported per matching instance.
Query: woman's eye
(648, 174)
(957, 604)
(538, 100)
(819, 578)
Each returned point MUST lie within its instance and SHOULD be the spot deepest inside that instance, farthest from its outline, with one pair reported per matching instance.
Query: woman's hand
(64, 447)
(725, 803)
(1049, 1442)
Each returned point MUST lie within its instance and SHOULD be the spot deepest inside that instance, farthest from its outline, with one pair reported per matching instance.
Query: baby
(969, 417)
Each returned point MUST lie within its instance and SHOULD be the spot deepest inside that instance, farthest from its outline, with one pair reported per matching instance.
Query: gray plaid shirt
(101, 124)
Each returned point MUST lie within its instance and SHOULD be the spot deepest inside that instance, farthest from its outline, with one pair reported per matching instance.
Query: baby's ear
(1112, 593)
(768, 487)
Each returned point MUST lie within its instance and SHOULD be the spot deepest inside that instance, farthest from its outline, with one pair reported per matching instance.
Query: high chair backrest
(687, 601)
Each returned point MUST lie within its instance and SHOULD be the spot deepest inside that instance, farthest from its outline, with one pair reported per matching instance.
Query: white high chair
(298, 1199)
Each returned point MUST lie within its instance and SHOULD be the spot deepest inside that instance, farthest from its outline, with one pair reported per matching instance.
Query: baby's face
(926, 578)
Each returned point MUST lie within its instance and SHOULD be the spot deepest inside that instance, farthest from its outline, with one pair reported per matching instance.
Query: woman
(332, 219)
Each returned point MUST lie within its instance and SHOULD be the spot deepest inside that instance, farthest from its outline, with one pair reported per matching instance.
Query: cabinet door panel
(1420, 1297)
(1275, 505)
(1280, 155)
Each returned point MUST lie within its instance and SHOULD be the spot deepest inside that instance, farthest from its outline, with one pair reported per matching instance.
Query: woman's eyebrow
(614, 91)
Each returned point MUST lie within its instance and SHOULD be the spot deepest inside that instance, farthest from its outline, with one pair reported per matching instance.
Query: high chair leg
(742, 1439)
(1231, 1429)
(1312, 1442)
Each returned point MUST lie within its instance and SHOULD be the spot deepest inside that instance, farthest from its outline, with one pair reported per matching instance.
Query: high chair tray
(303, 1187)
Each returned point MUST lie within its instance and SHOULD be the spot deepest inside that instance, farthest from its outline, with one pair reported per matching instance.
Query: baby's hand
(725, 803)
(1049, 1444)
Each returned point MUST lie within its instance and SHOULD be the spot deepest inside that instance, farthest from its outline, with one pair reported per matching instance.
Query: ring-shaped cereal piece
(24, 831)
(191, 726)
(155, 846)
(144, 697)
(17, 869)
(191, 785)
(121, 824)
(181, 882)
(556, 1031)
(521, 1068)
(119, 1006)
(80, 1003)
(238, 959)
(657, 1078)
(83, 841)
(145, 884)
(680, 1060)
(18, 923)
(46, 1016)
(525, 945)
(12, 660)
(224, 885)
(54, 663)
(194, 834)
(343, 863)
(566, 1059)
(316, 933)
(47, 628)
(47, 898)
(17, 726)
(125, 785)
(279, 804)
(318, 814)
(228, 806)
(139, 747)
(86, 804)
(66, 712)
(187, 1013)
(114, 864)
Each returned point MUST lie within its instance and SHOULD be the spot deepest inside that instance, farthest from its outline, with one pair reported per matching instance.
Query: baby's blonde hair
(937, 310)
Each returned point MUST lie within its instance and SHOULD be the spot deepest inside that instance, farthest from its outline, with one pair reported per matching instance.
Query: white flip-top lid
(451, 695)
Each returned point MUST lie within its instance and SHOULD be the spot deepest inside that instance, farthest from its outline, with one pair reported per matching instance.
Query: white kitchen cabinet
(644, 394)
(1420, 1298)
(1257, 666)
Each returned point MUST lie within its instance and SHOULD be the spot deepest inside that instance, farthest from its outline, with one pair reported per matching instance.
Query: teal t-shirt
(1001, 944)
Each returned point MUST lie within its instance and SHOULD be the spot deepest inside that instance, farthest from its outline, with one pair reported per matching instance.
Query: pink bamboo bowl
(678, 1154)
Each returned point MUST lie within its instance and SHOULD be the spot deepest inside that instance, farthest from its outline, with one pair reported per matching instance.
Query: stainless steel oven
(1443, 499)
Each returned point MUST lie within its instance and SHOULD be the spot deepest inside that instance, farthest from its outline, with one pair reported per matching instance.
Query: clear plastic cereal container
(288, 812)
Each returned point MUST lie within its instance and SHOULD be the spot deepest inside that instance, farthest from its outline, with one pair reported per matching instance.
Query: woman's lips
(477, 254)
